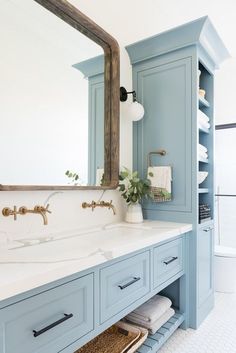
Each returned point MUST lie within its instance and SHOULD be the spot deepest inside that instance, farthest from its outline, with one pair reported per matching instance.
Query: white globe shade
(136, 111)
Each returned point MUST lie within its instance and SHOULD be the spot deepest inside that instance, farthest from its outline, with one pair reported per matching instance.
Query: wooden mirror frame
(82, 23)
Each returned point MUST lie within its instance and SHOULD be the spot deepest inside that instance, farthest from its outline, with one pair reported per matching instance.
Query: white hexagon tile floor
(217, 334)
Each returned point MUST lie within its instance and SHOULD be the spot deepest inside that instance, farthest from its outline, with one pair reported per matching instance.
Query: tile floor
(217, 334)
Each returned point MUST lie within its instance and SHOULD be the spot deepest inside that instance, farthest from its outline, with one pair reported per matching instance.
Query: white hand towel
(160, 178)
(154, 326)
(152, 310)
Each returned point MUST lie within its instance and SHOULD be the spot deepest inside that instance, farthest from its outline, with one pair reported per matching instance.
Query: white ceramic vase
(134, 213)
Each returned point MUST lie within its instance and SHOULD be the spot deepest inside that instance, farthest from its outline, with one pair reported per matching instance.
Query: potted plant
(133, 190)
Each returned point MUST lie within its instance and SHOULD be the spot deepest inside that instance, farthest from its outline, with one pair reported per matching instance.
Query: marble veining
(25, 265)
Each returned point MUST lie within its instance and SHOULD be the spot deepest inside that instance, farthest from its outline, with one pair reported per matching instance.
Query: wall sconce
(136, 111)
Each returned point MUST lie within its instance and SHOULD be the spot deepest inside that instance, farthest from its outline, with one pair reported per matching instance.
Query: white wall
(129, 21)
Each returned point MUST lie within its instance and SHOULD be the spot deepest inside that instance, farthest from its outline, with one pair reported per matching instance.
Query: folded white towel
(202, 155)
(202, 148)
(152, 310)
(204, 125)
(160, 178)
(202, 116)
(153, 327)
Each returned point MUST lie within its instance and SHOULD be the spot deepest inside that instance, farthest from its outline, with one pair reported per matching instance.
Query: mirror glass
(51, 100)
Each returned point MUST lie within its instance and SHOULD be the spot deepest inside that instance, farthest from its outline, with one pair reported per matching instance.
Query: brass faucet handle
(6, 211)
(40, 209)
(47, 209)
(9, 212)
(23, 210)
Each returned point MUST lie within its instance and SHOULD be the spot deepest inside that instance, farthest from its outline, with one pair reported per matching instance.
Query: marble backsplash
(67, 214)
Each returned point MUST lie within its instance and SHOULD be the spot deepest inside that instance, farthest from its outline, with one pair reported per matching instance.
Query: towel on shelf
(204, 125)
(160, 178)
(202, 155)
(99, 176)
(152, 310)
(202, 117)
(154, 326)
(202, 148)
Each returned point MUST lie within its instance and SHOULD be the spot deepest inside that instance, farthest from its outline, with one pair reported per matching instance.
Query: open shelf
(203, 102)
(203, 190)
(154, 342)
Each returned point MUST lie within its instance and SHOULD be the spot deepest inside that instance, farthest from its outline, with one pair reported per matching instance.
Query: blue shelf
(154, 342)
(203, 102)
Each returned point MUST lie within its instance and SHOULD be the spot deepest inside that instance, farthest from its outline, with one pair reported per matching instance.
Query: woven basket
(116, 339)
(159, 195)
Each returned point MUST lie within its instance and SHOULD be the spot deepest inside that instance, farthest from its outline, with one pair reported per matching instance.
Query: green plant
(132, 188)
(74, 177)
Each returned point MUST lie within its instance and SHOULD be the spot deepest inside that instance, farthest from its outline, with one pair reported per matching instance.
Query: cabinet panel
(123, 283)
(39, 324)
(96, 127)
(168, 261)
(205, 263)
(165, 92)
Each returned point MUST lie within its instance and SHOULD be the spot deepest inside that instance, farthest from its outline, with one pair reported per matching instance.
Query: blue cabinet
(164, 87)
(168, 260)
(63, 317)
(93, 70)
(165, 76)
(123, 283)
(49, 321)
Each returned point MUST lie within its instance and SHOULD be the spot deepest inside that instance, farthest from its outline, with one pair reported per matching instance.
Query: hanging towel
(99, 176)
(153, 327)
(152, 310)
(160, 178)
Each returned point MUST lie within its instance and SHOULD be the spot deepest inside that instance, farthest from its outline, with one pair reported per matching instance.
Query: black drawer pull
(58, 322)
(208, 229)
(171, 260)
(135, 279)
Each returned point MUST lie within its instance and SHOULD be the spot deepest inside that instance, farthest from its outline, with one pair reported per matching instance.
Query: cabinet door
(165, 92)
(49, 321)
(205, 263)
(96, 127)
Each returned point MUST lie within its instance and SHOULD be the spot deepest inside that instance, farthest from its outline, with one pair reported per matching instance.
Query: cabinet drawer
(168, 261)
(123, 283)
(49, 321)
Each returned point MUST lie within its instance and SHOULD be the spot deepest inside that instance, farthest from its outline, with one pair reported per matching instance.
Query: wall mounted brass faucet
(95, 204)
(24, 210)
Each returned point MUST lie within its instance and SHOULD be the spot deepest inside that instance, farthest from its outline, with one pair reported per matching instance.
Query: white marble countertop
(29, 263)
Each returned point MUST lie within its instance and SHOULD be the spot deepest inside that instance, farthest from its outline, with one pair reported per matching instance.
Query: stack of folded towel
(203, 120)
(152, 314)
(202, 152)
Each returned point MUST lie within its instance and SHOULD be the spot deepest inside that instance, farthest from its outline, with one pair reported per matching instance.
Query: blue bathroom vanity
(165, 77)
(57, 295)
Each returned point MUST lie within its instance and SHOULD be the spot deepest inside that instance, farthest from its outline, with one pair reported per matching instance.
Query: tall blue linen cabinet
(165, 78)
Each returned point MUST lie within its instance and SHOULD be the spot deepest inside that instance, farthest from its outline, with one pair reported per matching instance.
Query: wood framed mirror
(38, 153)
